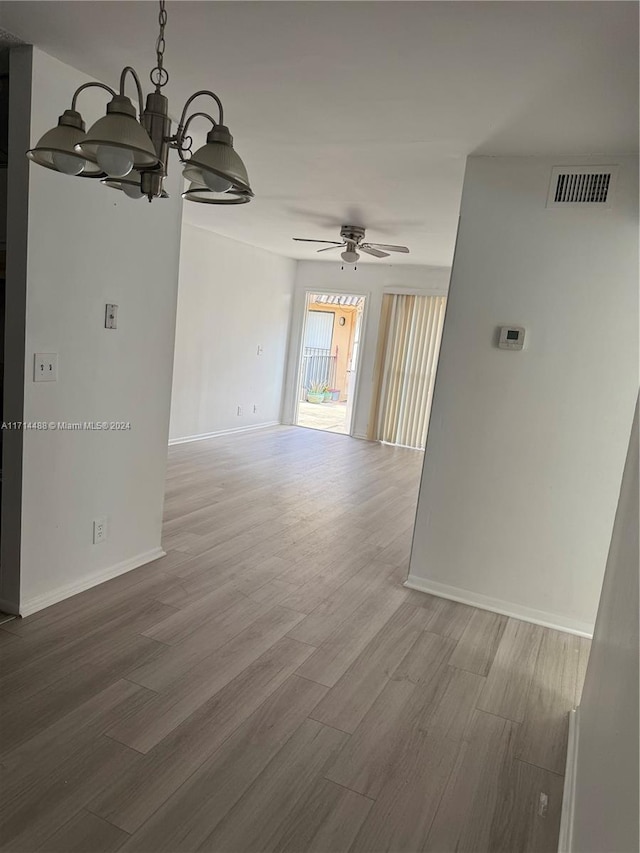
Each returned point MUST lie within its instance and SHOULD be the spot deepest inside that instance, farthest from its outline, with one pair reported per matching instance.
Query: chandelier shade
(56, 149)
(218, 159)
(119, 130)
(203, 195)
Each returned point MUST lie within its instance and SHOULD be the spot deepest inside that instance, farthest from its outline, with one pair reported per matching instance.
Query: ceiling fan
(352, 242)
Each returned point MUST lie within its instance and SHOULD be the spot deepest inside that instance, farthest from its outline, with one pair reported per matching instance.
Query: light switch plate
(45, 367)
(111, 316)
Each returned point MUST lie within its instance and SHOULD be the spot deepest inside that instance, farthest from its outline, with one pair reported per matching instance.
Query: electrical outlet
(255, 409)
(99, 530)
(239, 412)
(45, 367)
(260, 350)
(111, 316)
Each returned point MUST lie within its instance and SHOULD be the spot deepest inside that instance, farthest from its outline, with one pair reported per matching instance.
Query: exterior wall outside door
(343, 337)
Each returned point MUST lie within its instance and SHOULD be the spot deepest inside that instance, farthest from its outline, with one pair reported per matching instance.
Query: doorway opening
(328, 370)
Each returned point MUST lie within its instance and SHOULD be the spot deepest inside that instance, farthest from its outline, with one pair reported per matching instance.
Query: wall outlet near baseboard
(239, 411)
(99, 530)
(255, 409)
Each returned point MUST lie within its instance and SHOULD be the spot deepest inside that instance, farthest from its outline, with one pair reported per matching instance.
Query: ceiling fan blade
(375, 252)
(306, 240)
(390, 248)
(329, 248)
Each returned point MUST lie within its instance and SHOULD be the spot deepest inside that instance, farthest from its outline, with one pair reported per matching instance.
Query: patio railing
(318, 365)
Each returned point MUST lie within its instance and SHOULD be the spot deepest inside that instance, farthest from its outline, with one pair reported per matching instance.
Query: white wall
(606, 790)
(89, 245)
(232, 299)
(526, 449)
(370, 280)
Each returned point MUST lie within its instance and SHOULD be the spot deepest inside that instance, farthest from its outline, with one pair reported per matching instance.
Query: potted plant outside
(315, 393)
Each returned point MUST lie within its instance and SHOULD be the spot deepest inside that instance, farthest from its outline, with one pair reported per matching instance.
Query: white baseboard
(32, 605)
(565, 841)
(497, 605)
(204, 435)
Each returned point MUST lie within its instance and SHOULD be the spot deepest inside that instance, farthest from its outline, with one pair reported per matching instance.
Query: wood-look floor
(270, 685)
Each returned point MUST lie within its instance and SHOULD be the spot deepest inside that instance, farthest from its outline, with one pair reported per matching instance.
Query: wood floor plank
(273, 592)
(527, 817)
(198, 806)
(343, 600)
(203, 575)
(464, 819)
(425, 658)
(397, 551)
(85, 833)
(43, 666)
(440, 703)
(131, 799)
(6, 638)
(401, 816)
(255, 822)
(338, 652)
(506, 689)
(543, 737)
(27, 821)
(328, 818)
(145, 729)
(53, 745)
(448, 712)
(173, 662)
(182, 623)
(479, 642)
(320, 590)
(20, 721)
(363, 763)
(348, 701)
(450, 619)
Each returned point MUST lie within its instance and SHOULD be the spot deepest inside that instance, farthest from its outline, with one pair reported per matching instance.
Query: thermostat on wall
(511, 337)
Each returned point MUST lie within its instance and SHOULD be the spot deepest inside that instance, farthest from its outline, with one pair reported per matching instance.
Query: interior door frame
(300, 348)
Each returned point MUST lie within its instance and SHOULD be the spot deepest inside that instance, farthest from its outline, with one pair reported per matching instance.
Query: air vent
(582, 186)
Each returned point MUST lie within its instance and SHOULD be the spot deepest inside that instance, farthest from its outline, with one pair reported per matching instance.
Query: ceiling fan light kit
(128, 149)
(353, 243)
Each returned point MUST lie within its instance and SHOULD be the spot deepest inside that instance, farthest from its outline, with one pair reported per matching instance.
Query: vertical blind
(408, 348)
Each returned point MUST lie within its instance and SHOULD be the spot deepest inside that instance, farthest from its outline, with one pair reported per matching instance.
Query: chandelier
(128, 150)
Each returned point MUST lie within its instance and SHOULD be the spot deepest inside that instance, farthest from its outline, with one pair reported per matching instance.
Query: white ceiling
(364, 112)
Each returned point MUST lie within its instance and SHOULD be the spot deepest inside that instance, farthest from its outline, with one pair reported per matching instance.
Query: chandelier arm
(89, 86)
(129, 70)
(181, 139)
(190, 101)
(195, 115)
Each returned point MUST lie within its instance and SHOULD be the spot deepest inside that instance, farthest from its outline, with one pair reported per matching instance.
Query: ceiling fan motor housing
(352, 233)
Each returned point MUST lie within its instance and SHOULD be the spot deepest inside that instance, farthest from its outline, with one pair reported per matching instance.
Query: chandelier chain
(159, 75)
